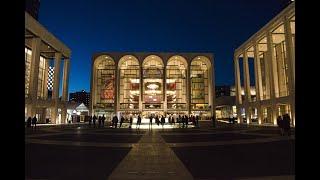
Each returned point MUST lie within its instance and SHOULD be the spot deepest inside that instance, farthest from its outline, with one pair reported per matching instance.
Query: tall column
(165, 90)
(213, 89)
(274, 88)
(34, 73)
(66, 71)
(64, 115)
(46, 75)
(140, 89)
(290, 60)
(189, 86)
(238, 87)
(246, 76)
(56, 84)
(258, 80)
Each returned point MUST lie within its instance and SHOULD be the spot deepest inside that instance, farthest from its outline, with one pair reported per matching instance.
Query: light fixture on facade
(129, 57)
(154, 99)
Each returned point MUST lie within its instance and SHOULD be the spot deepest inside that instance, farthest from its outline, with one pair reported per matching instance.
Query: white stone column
(189, 86)
(213, 89)
(258, 80)
(290, 60)
(56, 85)
(140, 89)
(34, 73)
(274, 85)
(237, 87)
(65, 83)
(46, 75)
(247, 88)
(165, 90)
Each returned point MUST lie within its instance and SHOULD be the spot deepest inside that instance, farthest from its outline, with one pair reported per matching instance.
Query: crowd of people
(182, 120)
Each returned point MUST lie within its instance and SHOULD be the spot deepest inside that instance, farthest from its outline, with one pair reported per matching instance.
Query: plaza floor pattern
(225, 152)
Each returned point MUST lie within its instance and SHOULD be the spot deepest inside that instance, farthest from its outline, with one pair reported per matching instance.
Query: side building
(272, 52)
(80, 97)
(42, 49)
(132, 83)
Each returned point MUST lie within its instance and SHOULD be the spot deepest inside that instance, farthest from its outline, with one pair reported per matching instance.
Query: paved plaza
(229, 151)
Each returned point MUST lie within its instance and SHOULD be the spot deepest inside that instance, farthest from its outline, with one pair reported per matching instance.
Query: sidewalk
(151, 158)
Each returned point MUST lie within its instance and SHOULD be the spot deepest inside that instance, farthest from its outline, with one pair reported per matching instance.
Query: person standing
(29, 122)
(34, 122)
(121, 121)
(94, 120)
(90, 119)
(157, 120)
(103, 120)
(138, 122)
(213, 118)
(130, 120)
(186, 120)
(197, 120)
(162, 121)
(279, 123)
(150, 122)
(286, 124)
(115, 121)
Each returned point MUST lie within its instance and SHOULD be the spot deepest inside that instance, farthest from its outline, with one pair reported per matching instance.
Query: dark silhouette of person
(115, 120)
(99, 121)
(279, 123)
(34, 122)
(173, 120)
(162, 121)
(186, 118)
(138, 122)
(103, 119)
(197, 120)
(286, 124)
(90, 119)
(94, 120)
(213, 119)
(179, 121)
(121, 121)
(169, 120)
(157, 120)
(29, 122)
(130, 121)
(183, 121)
(150, 123)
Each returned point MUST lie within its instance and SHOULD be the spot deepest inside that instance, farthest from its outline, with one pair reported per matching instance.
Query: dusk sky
(215, 26)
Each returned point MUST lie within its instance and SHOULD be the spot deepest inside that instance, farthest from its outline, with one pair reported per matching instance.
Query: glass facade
(27, 56)
(199, 85)
(129, 83)
(153, 78)
(105, 84)
(151, 85)
(176, 84)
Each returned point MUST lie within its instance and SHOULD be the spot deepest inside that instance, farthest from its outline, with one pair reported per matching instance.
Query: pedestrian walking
(94, 120)
(150, 122)
(138, 122)
(103, 119)
(279, 123)
(34, 122)
(121, 121)
(130, 121)
(213, 119)
(162, 121)
(286, 124)
(29, 122)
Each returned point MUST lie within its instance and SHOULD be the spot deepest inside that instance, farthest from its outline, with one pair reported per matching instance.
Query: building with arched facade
(271, 51)
(152, 84)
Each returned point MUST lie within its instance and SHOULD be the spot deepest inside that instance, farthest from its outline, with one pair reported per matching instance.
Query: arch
(152, 60)
(177, 58)
(206, 63)
(104, 61)
(128, 58)
(104, 74)
(129, 82)
(176, 83)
